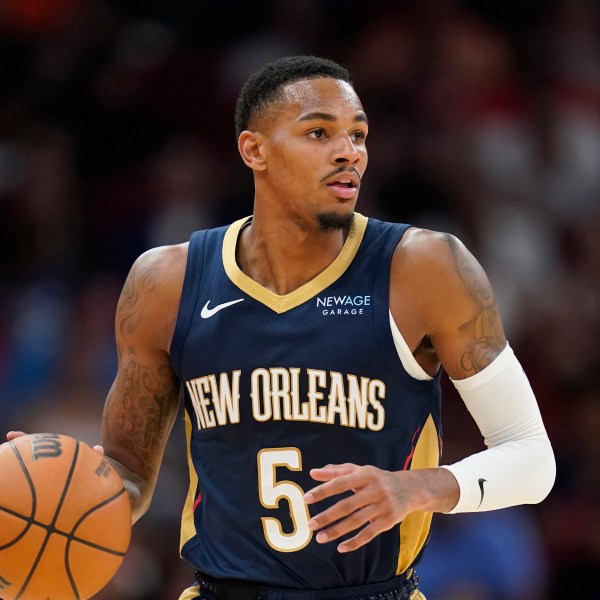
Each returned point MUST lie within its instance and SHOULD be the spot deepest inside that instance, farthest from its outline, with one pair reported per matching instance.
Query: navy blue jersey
(276, 385)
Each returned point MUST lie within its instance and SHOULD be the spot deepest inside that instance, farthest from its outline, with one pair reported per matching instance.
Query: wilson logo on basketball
(46, 445)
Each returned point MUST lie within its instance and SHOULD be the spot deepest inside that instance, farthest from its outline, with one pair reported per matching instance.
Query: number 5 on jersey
(272, 491)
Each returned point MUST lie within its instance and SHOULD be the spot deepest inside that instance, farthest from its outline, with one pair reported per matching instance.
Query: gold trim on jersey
(415, 527)
(282, 303)
(188, 529)
(192, 593)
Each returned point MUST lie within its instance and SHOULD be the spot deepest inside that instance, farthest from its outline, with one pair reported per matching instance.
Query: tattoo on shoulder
(129, 313)
(487, 333)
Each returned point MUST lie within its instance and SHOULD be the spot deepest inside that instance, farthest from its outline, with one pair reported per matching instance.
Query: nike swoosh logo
(206, 312)
(481, 482)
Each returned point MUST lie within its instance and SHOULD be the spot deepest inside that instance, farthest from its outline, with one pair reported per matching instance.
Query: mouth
(344, 185)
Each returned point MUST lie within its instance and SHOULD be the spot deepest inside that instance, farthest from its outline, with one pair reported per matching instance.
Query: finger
(364, 536)
(353, 522)
(337, 485)
(12, 435)
(99, 450)
(330, 471)
(340, 510)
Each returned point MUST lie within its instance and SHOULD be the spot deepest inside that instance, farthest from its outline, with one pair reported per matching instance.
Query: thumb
(99, 450)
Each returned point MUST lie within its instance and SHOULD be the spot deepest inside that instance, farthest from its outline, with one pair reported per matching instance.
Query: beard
(330, 221)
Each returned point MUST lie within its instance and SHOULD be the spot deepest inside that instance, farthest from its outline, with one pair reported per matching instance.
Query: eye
(359, 136)
(317, 133)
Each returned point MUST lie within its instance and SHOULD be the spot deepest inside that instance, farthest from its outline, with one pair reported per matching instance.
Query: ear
(252, 150)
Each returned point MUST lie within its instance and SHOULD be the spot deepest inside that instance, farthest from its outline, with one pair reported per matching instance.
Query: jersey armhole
(409, 362)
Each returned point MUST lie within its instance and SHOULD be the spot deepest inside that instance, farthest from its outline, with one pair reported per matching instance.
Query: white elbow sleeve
(518, 466)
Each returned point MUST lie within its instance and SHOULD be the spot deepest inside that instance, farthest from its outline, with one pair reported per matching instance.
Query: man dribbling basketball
(308, 341)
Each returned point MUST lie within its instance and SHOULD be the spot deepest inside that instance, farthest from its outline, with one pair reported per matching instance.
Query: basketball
(65, 519)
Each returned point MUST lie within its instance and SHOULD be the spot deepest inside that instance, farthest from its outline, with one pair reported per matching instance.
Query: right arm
(143, 400)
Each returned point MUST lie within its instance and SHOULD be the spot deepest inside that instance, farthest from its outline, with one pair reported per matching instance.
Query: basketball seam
(52, 525)
(30, 520)
(71, 536)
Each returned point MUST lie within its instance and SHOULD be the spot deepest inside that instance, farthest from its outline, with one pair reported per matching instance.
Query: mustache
(341, 169)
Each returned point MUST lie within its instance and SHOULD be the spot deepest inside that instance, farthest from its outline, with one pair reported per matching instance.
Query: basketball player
(307, 341)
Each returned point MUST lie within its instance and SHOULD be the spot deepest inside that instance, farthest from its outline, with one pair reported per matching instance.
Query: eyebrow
(323, 116)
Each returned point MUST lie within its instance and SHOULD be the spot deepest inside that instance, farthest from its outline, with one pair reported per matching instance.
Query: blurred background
(116, 135)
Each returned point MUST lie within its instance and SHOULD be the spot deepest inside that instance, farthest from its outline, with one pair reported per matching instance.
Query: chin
(334, 221)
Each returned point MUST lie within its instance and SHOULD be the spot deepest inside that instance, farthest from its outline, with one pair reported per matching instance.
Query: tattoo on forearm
(485, 327)
(145, 413)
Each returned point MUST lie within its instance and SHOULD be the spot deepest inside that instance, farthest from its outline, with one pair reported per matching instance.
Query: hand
(13, 435)
(380, 500)
(376, 505)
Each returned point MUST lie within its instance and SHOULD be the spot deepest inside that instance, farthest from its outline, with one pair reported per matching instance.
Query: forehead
(323, 94)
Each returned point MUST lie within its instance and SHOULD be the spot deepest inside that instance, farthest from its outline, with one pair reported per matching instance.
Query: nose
(346, 151)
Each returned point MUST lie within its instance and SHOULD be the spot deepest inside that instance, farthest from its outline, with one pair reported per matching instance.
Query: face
(313, 143)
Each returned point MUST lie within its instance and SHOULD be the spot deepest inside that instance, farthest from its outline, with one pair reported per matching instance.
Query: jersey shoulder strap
(189, 295)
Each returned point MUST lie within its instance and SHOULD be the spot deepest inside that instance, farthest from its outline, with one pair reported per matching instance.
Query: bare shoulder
(164, 265)
(430, 248)
(150, 297)
(448, 294)
(441, 264)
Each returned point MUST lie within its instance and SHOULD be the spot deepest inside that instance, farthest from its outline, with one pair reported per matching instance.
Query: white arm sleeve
(518, 466)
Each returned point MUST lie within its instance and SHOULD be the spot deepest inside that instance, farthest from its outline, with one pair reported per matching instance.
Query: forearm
(518, 467)
(138, 418)
(518, 472)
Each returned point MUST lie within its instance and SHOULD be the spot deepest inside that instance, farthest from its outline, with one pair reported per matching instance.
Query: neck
(284, 256)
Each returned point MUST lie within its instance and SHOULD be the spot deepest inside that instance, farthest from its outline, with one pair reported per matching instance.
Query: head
(302, 130)
(264, 88)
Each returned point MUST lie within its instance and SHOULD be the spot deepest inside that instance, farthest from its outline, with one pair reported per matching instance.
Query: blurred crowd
(116, 135)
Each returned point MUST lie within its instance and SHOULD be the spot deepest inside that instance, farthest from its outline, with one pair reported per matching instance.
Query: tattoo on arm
(143, 403)
(129, 313)
(485, 328)
(145, 413)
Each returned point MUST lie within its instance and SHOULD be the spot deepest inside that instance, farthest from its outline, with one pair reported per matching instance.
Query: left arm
(447, 312)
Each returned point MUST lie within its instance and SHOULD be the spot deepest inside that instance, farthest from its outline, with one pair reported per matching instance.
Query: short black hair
(264, 86)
